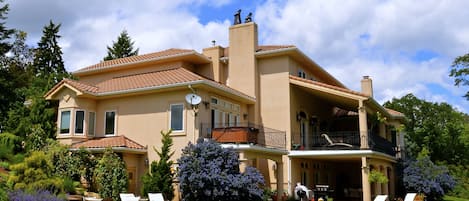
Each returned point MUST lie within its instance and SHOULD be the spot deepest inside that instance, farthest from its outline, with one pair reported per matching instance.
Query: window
(110, 122)
(301, 73)
(91, 123)
(65, 122)
(79, 121)
(177, 117)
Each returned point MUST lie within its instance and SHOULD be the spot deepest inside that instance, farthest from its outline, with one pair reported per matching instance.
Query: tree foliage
(460, 72)
(5, 33)
(35, 173)
(423, 176)
(160, 177)
(438, 127)
(48, 63)
(123, 47)
(111, 175)
(209, 172)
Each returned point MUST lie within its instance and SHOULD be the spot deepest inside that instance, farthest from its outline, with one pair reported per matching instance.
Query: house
(280, 110)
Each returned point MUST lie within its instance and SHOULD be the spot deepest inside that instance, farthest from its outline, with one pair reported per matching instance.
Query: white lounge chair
(381, 198)
(410, 197)
(155, 197)
(331, 143)
(128, 197)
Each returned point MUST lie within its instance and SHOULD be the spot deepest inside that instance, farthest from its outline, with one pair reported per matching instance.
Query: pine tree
(122, 48)
(5, 33)
(48, 64)
(160, 177)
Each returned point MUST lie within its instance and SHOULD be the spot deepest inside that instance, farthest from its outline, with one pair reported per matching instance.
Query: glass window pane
(79, 121)
(177, 117)
(110, 122)
(91, 121)
(65, 122)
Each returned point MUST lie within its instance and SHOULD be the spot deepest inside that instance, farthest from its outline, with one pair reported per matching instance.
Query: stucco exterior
(291, 102)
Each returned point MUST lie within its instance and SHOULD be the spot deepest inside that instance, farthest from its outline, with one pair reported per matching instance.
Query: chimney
(217, 70)
(367, 86)
(242, 60)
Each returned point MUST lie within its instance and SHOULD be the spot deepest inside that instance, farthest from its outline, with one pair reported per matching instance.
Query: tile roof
(328, 86)
(116, 141)
(144, 81)
(394, 112)
(137, 58)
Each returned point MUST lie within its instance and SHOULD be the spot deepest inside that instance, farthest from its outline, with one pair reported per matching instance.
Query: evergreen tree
(5, 33)
(160, 177)
(122, 48)
(48, 64)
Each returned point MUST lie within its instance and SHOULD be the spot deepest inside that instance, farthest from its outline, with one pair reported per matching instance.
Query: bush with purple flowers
(423, 176)
(209, 172)
(40, 195)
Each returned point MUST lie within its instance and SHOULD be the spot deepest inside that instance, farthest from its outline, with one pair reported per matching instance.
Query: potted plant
(378, 177)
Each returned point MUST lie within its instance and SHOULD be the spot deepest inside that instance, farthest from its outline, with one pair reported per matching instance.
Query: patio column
(280, 178)
(385, 186)
(366, 188)
(363, 127)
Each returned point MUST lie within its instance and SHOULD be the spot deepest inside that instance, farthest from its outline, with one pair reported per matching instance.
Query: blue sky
(405, 47)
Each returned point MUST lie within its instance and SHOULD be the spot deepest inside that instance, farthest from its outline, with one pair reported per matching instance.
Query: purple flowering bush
(423, 176)
(41, 195)
(209, 172)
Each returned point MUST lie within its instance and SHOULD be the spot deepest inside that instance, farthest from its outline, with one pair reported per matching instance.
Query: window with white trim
(110, 122)
(91, 123)
(177, 117)
(79, 121)
(65, 122)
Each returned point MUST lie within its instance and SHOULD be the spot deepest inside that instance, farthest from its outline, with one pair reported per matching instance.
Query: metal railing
(266, 137)
(340, 140)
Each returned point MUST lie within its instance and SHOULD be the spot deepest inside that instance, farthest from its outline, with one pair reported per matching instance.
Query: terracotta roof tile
(117, 141)
(394, 112)
(131, 59)
(151, 79)
(328, 86)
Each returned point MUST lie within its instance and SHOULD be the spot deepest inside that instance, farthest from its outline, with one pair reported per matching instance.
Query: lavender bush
(208, 172)
(40, 195)
(423, 176)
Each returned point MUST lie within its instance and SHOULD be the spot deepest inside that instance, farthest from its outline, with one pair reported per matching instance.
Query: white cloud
(377, 38)
(348, 38)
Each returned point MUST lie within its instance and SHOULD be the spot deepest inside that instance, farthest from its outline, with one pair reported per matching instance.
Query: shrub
(160, 177)
(423, 176)
(40, 195)
(111, 175)
(209, 172)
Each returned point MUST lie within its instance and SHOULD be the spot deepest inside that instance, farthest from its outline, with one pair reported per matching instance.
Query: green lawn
(451, 198)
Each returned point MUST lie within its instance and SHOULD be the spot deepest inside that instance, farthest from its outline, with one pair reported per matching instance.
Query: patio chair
(331, 143)
(410, 197)
(128, 197)
(381, 198)
(155, 197)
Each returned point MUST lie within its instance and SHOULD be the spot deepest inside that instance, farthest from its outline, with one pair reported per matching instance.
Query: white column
(363, 127)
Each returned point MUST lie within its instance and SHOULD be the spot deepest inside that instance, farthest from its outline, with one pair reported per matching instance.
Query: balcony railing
(348, 140)
(244, 133)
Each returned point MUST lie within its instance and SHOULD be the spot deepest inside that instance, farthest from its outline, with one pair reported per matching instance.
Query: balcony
(342, 140)
(244, 133)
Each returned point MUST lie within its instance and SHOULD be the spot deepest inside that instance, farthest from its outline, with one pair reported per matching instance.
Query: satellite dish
(193, 99)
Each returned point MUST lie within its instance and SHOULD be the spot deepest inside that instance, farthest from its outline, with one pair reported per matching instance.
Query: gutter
(118, 149)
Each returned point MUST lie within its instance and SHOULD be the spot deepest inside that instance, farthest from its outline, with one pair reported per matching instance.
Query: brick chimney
(367, 86)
